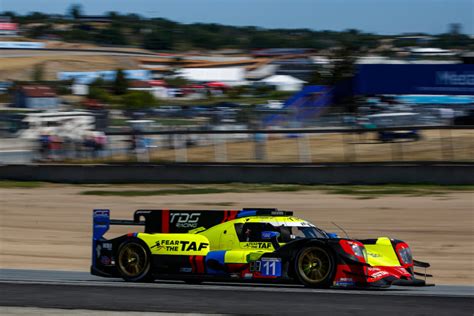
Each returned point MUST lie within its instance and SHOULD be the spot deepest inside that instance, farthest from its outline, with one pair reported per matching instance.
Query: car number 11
(271, 267)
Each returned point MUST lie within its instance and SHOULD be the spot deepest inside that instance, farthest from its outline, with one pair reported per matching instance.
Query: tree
(138, 100)
(10, 14)
(112, 35)
(157, 40)
(342, 68)
(100, 94)
(113, 15)
(75, 11)
(319, 76)
(455, 29)
(120, 83)
(38, 73)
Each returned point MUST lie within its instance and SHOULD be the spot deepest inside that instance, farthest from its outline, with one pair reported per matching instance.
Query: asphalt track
(79, 290)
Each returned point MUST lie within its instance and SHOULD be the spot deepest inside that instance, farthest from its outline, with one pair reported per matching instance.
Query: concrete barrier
(405, 173)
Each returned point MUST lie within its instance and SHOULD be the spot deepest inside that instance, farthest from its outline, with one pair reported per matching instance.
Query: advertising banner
(441, 79)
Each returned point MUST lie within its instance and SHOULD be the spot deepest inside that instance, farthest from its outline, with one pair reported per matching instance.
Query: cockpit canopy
(288, 231)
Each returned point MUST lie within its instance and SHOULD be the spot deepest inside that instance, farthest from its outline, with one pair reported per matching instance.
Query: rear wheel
(315, 267)
(134, 261)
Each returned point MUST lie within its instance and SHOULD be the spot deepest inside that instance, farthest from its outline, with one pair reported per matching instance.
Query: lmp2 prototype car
(264, 245)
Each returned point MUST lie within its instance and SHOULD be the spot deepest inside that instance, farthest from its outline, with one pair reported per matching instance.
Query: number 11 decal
(271, 267)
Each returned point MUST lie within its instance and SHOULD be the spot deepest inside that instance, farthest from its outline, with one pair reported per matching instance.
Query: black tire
(315, 266)
(133, 261)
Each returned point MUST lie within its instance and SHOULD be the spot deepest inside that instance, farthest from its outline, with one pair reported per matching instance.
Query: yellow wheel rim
(314, 265)
(132, 259)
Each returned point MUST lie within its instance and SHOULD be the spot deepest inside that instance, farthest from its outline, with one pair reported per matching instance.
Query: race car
(266, 245)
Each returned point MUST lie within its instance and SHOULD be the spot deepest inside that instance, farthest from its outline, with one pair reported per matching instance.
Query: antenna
(341, 229)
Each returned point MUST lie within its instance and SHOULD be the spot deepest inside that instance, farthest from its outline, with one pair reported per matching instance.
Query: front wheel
(134, 261)
(315, 267)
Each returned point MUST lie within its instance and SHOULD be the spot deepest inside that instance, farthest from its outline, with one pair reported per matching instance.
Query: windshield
(289, 233)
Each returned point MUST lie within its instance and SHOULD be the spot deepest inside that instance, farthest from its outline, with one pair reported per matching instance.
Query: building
(35, 97)
(87, 77)
(301, 67)
(7, 28)
(169, 65)
(431, 51)
(232, 76)
(293, 62)
(284, 82)
(158, 91)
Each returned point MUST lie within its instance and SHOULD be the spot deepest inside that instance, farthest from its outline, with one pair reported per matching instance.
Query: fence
(415, 143)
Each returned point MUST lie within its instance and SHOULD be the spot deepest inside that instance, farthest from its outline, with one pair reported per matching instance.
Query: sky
(375, 16)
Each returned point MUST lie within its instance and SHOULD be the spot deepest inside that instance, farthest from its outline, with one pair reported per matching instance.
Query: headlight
(354, 248)
(357, 250)
(404, 254)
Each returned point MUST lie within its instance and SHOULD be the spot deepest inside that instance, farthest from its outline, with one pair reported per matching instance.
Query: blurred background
(359, 113)
(128, 86)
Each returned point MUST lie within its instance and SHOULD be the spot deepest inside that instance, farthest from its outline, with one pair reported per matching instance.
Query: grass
(358, 191)
(7, 184)
(154, 192)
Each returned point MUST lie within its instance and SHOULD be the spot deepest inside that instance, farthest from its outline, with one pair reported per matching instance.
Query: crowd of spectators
(55, 148)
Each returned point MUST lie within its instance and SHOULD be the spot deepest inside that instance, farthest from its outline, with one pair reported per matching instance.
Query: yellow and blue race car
(266, 245)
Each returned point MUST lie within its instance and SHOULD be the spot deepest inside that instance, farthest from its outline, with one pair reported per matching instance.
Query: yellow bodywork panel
(199, 241)
(176, 244)
(382, 253)
(242, 256)
(236, 256)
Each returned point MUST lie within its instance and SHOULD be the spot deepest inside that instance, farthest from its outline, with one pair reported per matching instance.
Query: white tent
(284, 82)
(231, 76)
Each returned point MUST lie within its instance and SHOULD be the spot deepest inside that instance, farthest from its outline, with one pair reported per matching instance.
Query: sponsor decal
(103, 246)
(98, 249)
(107, 245)
(270, 267)
(374, 255)
(185, 220)
(179, 245)
(257, 245)
(344, 282)
(157, 246)
(105, 260)
(255, 266)
(379, 274)
(453, 78)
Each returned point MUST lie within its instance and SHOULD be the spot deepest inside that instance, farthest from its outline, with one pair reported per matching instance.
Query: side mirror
(332, 235)
(269, 235)
(272, 236)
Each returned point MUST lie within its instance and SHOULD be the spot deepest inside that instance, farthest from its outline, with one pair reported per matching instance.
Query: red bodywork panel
(360, 275)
